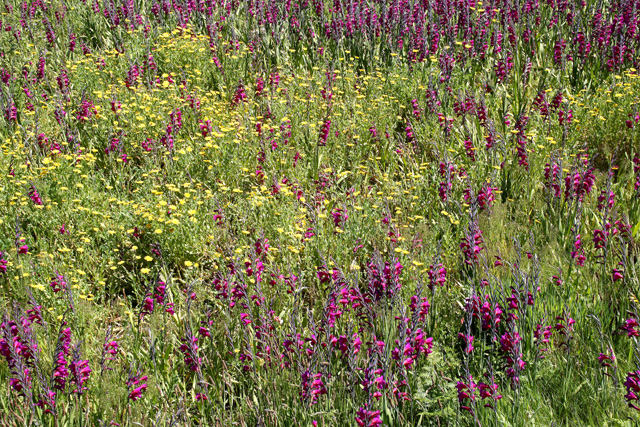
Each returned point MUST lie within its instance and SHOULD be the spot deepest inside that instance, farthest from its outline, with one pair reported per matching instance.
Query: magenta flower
(312, 386)
(366, 418)
(437, 276)
(169, 309)
(466, 392)
(160, 293)
(468, 340)
(604, 359)
(48, 402)
(136, 381)
(617, 274)
(489, 391)
(137, 392)
(189, 349)
(60, 372)
(35, 196)
(3, 263)
(109, 352)
(58, 284)
(630, 327)
(633, 389)
(80, 371)
(147, 308)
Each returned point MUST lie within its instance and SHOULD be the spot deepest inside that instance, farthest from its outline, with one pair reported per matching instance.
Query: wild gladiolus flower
(366, 418)
(606, 200)
(80, 371)
(324, 133)
(579, 183)
(240, 95)
(111, 349)
(600, 238)
(3, 263)
(466, 392)
(617, 274)
(489, 391)
(138, 387)
(60, 372)
(470, 149)
(58, 284)
(416, 109)
(578, 253)
(468, 340)
(630, 327)
(147, 307)
(34, 314)
(48, 402)
(542, 337)
(552, 180)
(472, 246)
(160, 292)
(63, 80)
(510, 345)
(486, 196)
(339, 217)
(422, 303)
(633, 389)
(137, 392)
(437, 275)
(189, 349)
(604, 359)
(383, 283)
(169, 309)
(312, 386)
(35, 196)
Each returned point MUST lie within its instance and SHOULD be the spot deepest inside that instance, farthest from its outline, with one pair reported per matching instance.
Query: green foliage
(127, 204)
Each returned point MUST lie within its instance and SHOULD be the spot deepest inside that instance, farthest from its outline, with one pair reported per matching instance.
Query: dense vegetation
(309, 213)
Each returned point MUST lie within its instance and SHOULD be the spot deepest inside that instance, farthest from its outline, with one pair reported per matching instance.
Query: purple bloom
(136, 381)
(633, 389)
(35, 196)
(48, 402)
(366, 418)
(3, 263)
(468, 339)
(137, 392)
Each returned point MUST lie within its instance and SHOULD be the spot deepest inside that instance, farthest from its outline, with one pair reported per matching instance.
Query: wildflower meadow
(319, 213)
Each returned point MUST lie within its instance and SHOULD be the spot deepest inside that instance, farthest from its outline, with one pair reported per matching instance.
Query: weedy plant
(309, 213)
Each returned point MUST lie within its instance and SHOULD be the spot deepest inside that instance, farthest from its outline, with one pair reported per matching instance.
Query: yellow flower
(145, 271)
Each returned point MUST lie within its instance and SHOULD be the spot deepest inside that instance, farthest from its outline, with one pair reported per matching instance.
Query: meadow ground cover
(309, 213)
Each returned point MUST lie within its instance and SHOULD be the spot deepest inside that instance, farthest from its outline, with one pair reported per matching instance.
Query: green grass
(183, 215)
